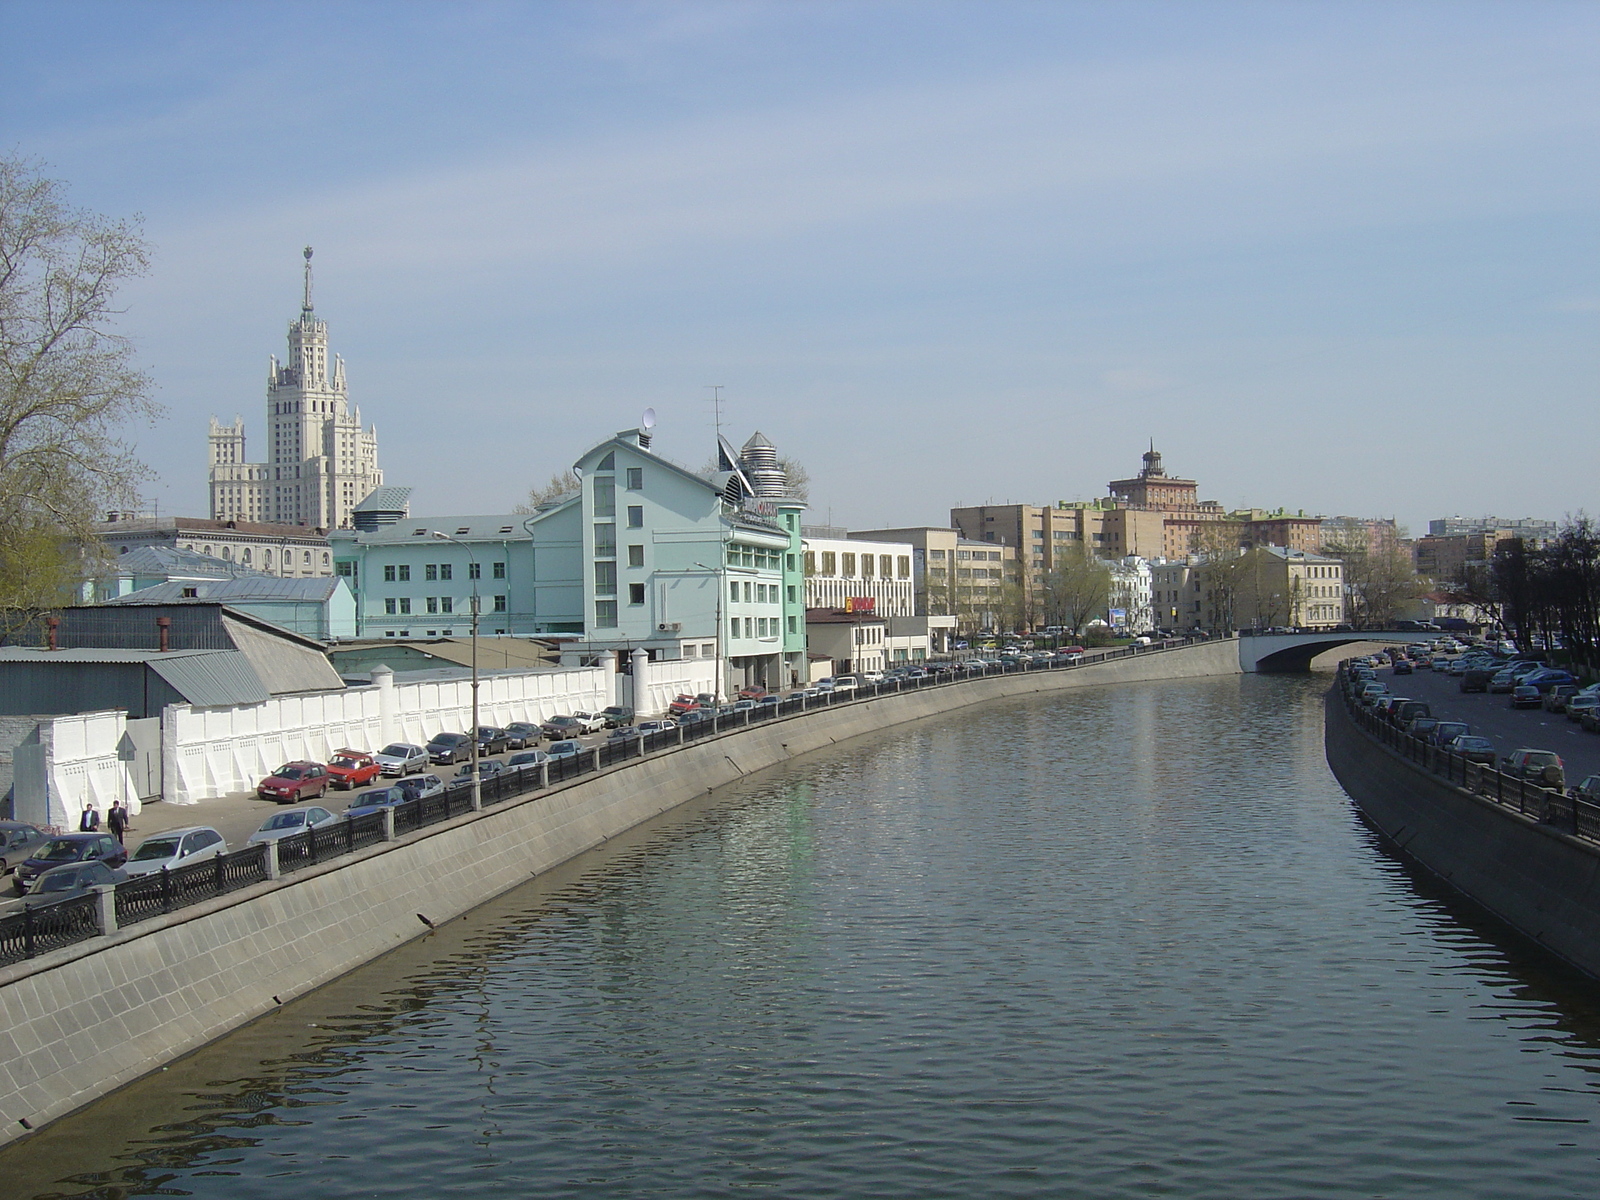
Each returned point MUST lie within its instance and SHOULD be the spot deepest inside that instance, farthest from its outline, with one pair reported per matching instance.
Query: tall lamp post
(717, 581)
(477, 782)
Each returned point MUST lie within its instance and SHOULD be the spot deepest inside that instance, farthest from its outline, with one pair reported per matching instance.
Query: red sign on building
(860, 604)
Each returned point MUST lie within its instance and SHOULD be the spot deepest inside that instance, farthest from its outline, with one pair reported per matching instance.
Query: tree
(562, 483)
(1378, 580)
(1077, 589)
(68, 385)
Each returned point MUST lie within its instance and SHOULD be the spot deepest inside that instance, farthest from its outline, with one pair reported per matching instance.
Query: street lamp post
(477, 781)
(717, 581)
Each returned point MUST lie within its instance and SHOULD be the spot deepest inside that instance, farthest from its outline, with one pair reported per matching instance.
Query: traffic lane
(1492, 716)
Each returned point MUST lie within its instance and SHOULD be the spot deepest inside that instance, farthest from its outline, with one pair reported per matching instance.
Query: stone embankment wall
(81, 1021)
(1541, 881)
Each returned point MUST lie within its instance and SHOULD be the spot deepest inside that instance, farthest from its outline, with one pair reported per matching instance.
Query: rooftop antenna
(716, 405)
(306, 303)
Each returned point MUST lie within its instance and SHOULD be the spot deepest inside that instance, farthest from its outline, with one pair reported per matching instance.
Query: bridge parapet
(1279, 653)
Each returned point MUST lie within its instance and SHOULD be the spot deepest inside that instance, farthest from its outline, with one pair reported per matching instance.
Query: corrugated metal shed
(212, 679)
(69, 681)
(284, 664)
(234, 591)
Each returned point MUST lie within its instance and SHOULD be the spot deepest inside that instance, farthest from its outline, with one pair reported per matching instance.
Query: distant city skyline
(942, 254)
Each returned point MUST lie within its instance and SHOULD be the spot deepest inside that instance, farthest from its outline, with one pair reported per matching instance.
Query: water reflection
(1115, 943)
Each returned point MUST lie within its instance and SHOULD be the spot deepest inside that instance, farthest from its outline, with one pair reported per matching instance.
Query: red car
(294, 782)
(352, 769)
(684, 703)
(753, 692)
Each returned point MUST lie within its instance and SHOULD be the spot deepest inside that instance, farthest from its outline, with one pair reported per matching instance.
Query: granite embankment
(81, 1021)
(1539, 879)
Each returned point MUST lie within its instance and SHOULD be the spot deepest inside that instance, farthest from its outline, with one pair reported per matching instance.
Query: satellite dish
(649, 418)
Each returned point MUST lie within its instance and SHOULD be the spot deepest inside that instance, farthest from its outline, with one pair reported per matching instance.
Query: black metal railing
(34, 931)
(1531, 797)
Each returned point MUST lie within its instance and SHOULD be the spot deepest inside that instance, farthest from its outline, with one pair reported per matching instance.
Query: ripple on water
(1121, 943)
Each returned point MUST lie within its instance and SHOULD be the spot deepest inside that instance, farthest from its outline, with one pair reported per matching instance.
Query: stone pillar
(273, 871)
(607, 663)
(641, 681)
(388, 823)
(544, 773)
(596, 753)
(105, 907)
(388, 722)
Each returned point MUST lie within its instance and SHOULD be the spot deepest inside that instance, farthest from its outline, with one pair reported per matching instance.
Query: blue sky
(1338, 257)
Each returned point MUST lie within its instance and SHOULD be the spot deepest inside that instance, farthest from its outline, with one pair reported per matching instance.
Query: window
(444, 572)
(847, 564)
(636, 556)
(708, 650)
(936, 554)
(405, 604)
(866, 566)
(345, 570)
(788, 562)
(605, 614)
(388, 574)
(792, 626)
(791, 593)
(605, 540)
(404, 572)
(636, 593)
(963, 555)
(903, 566)
(433, 604)
(605, 579)
(499, 571)
(635, 516)
(447, 604)
(473, 571)
(828, 562)
(749, 593)
(750, 627)
(608, 463)
(811, 562)
(430, 573)
(499, 604)
(191, 593)
(886, 566)
(605, 497)
(307, 558)
(635, 478)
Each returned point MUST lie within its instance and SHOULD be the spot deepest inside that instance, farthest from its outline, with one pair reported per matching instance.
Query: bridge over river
(1277, 653)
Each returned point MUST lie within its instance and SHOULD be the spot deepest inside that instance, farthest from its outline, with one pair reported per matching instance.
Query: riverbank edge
(1542, 882)
(81, 1022)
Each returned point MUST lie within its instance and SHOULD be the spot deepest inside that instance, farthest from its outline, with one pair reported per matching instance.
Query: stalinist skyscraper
(322, 463)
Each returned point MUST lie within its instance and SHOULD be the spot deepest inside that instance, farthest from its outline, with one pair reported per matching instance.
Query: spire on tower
(305, 306)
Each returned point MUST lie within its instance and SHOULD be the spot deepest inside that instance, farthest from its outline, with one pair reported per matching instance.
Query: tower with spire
(322, 463)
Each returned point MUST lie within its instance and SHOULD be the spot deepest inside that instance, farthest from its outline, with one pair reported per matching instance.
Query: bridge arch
(1280, 653)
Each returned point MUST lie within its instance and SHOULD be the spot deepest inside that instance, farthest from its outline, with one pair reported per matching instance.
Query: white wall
(209, 752)
(75, 764)
(659, 682)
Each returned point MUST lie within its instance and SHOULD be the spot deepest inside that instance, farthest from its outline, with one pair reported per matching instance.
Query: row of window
(436, 572)
(756, 593)
(244, 555)
(759, 557)
(760, 627)
(401, 605)
(888, 566)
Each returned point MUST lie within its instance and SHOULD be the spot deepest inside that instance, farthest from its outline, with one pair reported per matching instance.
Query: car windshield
(397, 751)
(156, 848)
(343, 761)
(291, 772)
(378, 796)
(450, 739)
(286, 820)
(1474, 743)
(62, 851)
(59, 883)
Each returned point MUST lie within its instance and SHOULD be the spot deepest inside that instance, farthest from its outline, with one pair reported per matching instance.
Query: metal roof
(213, 679)
(386, 499)
(171, 560)
(491, 528)
(244, 590)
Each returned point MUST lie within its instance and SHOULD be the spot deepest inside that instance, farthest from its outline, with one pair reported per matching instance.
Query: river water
(1128, 942)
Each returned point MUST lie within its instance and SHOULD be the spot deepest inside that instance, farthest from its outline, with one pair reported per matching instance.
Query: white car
(656, 726)
(592, 722)
(175, 848)
(292, 821)
(401, 758)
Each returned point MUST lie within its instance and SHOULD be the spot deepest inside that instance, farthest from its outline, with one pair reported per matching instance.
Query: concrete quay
(82, 1021)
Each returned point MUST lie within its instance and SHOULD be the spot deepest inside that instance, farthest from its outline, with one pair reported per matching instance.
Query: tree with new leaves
(562, 483)
(68, 384)
(1077, 589)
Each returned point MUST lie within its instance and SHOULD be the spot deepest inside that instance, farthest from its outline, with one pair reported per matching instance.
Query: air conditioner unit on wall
(670, 626)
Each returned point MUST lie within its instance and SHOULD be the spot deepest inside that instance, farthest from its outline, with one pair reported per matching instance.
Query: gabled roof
(259, 588)
(204, 678)
(178, 563)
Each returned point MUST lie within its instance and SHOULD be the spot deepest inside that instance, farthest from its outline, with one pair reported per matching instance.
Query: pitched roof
(243, 590)
(175, 561)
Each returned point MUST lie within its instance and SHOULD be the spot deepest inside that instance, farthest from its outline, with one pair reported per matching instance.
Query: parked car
(1555, 700)
(1545, 678)
(447, 749)
(401, 758)
(1535, 764)
(1576, 706)
(768, 702)
(1446, 732)
(1422, 727)
(682, 703)
(656, 726)
(175, 848)
(1588, 790)
(68, 848)
(1525, 695)
(522, 734)
(526, 760)
(70, 881)
(1476, 679)
(754, 692)
(17, 841)
(1474, 749)
(1405, 711)
(563, 726)
(420, 786)
(1502, 681)
(353, 769)
(491, 740)
(623, 733)
(375, 800)
(292, 821)
(294, 782)
(1402, 666)
(488, 768)
(617, 716)
(564, 749)
(591, 722)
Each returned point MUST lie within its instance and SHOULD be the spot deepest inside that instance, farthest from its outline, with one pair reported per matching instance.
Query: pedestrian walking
(117, 820)
(90, 821)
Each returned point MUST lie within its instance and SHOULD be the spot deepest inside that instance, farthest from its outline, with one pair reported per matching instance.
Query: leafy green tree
(68, 385)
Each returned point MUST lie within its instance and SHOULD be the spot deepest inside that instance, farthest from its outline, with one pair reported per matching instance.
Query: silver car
(292, 821)
(174, 848)
(401, 758)
(68, 881)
